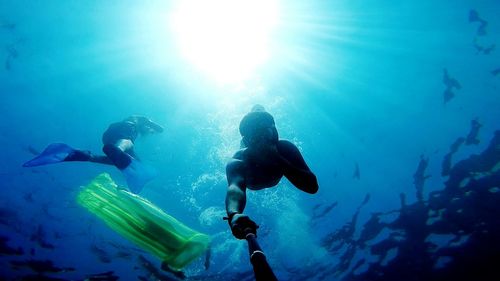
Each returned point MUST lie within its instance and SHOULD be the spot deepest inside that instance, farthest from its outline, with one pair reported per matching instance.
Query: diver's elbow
(313, 190)
(314, 187)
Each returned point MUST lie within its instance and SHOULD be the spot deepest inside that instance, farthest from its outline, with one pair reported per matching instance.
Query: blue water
(347, 81)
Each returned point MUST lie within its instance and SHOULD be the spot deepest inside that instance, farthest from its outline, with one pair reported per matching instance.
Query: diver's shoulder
(239, 154)
(286, 146)
(287, 143)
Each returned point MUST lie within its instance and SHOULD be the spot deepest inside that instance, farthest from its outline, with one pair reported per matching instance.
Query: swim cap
(254, 123)
(258, 108)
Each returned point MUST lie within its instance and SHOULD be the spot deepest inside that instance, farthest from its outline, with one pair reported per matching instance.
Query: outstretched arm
(236, 190)
(295, 168)
(236, 198)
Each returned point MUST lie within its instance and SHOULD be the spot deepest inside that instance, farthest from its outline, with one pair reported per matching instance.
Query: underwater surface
(395, 106)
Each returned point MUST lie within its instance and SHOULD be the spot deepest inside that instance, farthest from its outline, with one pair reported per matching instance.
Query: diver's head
(258, 127)
(144, 125)
(258, 108)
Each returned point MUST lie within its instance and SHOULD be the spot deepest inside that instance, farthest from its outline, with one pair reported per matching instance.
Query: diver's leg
(101, 159)
(58, 152)
(85, 155)
(136, 173)
(117, 156)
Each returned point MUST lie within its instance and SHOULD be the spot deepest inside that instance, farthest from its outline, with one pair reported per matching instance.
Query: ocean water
(356, 85)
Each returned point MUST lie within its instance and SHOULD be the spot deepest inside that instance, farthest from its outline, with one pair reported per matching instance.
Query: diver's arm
(295, 168)
(236, 198)
(236, 190)
(157, 128)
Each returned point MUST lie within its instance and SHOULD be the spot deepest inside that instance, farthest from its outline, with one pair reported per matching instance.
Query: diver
(450, 83)
(261, 163)
(474, 17)
(473, 133)
(118, 141)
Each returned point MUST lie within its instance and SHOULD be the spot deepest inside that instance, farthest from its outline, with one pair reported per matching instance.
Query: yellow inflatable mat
(143, 223)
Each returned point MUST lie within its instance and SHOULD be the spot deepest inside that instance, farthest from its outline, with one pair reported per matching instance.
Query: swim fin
(54, 153)
(137, 175)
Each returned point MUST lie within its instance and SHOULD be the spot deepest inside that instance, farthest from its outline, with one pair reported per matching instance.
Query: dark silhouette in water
(12, 53)
(11, 48)
(41, 277)
(481, 31)
(118, 147)
(261, 163)
(237, 276)
(482, 49)
(207, 258)
(7, 25)
(39, 237)
(7, 250)
(446, 165)
(100, 253)
(320, 214)
(344, 237)
(153, 271)
(474, 17)
(31, 149)
(105, 276)
(356, 174)
(474, 131)
(371, 229)
(466, 209)
(495, 72)
(40, 266)
(419, 177)
(450, 83)
(8, 65)
(8, 217)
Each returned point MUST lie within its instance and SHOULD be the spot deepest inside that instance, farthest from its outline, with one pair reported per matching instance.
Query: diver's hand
(146, 125)
(241, 225)
(154, 127)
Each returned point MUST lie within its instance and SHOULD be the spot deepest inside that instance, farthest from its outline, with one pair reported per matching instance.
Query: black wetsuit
(115, 155)
(119, 131)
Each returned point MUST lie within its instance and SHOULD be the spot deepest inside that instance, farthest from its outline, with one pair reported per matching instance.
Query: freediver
(450, 83)
(474, 17)
(473, 132)
(118, 141)
(261, 163)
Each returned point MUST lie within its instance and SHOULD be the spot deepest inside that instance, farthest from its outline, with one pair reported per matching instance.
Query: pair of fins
(136, 173)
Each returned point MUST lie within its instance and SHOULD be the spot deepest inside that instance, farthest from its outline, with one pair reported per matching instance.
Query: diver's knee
(109, 149)
(119, 158)
(124, 144)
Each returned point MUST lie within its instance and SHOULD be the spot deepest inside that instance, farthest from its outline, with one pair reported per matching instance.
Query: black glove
(241, 225)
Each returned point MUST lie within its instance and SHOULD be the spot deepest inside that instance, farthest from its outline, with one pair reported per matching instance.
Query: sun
(226, 39)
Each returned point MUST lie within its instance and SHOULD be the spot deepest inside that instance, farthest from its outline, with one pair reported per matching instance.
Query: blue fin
(54, 153)
(137, 175)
